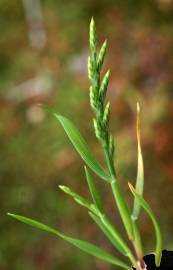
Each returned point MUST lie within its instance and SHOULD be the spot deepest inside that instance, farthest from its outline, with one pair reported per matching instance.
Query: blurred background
(43, 55)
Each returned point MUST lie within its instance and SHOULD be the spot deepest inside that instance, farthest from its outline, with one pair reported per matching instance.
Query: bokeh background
(43, 55)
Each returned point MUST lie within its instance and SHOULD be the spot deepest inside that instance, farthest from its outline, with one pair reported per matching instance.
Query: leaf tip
(138, 107)
(63, 188)
(92, 21)
(11, 215)
(108, 73)
(131, 187)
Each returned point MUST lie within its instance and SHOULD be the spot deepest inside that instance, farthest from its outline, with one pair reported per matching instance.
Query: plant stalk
(110, 227)
(118, 196)
(132, 229)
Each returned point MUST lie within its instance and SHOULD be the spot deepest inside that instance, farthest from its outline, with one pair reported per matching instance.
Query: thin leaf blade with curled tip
(140, 169)
(79, 144)
(83, 245)
(149, 211)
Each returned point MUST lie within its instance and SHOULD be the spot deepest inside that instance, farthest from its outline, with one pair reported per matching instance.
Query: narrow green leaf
(79, 144)
(83, 245)
(108, 234)
(123, 209)
(79, 199)
(149, 211)
(93, 190)
(140, 169)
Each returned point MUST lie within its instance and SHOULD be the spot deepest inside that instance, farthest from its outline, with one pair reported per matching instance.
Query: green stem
(129, 224)
(109, 160)
(134, 263)
(118, 196)
(137, 243)
(116, 235)
(118, 238)
(123, 209)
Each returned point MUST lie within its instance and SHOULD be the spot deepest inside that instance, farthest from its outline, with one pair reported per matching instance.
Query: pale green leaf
(149, 211)
(140, 169)
(83, 245)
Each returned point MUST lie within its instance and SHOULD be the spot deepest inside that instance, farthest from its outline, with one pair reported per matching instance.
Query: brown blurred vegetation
(43, 60)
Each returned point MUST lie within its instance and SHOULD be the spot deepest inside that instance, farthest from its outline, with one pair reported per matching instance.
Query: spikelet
(93, 37)
(101, 55)
(106, 114)
(98, 129)
(104, 85)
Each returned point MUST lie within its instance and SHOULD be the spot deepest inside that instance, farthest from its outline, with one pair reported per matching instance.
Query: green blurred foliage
(36, 155)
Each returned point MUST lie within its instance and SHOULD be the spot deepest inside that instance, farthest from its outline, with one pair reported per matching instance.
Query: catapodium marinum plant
(134, 252)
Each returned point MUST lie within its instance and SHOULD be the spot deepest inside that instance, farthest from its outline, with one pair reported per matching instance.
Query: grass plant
(95, 208)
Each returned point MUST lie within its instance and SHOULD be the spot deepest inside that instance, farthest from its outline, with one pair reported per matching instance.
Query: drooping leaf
(149, 211)
(108, 234)
(79, 199)
(93, 190)
(79, 144)
(140, 169)
(83, 245)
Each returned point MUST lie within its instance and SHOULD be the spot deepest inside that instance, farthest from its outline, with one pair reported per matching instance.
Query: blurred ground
(43, 53)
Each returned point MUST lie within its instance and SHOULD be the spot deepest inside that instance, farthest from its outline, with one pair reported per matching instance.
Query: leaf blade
(83, 245)
(140, 168)
(79, 143)
(93, 190)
